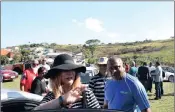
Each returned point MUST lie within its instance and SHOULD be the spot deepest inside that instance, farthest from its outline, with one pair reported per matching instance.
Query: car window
(89, 72)
(85, 77)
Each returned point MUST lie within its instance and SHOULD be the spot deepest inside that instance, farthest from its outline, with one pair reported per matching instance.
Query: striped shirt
(97, 84)
(90, 99)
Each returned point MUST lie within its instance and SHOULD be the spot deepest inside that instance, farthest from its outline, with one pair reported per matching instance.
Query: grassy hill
(160, 50)
(147, 50)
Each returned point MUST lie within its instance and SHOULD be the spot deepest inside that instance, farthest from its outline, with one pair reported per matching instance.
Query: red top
(27, 79)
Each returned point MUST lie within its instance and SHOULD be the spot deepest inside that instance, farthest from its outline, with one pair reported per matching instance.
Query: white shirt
(46, 66)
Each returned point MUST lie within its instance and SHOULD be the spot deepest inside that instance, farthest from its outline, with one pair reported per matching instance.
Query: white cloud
(77, 22)
(94, 24)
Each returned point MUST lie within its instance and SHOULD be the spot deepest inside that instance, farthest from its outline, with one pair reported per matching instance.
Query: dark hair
(144, 63)
(157, 63)
(41, 69)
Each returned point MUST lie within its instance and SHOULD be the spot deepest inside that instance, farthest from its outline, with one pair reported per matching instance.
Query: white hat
(35, 62)
(102, 61)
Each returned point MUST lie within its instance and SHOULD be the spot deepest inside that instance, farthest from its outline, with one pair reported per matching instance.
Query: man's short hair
(157, 63)
(144, 63)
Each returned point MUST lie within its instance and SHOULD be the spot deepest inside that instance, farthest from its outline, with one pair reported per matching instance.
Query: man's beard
(118, 75)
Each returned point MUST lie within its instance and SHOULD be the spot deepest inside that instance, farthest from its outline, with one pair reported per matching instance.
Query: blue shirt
(126, 94)
(133, 71)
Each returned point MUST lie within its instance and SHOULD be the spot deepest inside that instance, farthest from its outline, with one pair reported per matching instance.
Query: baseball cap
(102, 61)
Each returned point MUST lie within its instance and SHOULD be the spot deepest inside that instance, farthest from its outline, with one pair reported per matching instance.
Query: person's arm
(23, 81)
(138, 73)
(140, 96)
(49, 101)
(105, 106)
(21, 87)
(149, 75)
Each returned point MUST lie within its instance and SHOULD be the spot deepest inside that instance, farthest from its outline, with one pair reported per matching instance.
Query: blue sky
(76, 22)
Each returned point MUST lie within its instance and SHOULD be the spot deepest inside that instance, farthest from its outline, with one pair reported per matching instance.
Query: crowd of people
(118, 85)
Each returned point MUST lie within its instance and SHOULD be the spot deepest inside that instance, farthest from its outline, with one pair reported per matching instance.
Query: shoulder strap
(84, 100)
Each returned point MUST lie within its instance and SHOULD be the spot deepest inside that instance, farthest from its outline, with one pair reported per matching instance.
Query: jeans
(161, 87)
(158, 89)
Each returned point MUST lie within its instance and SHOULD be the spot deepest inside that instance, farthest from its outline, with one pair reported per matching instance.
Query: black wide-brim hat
(64, 62)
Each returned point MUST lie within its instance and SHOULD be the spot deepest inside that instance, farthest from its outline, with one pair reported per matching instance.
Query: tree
(53, 45)
(86, 52)
(91, 45)
(25, 54)
(4, 60)
(17, 58)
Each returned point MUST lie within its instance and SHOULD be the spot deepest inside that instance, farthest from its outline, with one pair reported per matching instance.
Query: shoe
(156, 98)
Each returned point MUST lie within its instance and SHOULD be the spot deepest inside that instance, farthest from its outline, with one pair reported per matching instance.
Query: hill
(160, 50)
(147, 50)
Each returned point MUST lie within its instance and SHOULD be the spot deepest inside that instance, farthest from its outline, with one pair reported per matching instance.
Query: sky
(76, 22)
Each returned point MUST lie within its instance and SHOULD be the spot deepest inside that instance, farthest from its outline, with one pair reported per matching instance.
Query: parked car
(168, 69)
(18, 67)
(79, 110)
(168, 75)
(90, 72)
(18, 101)
(8, 74)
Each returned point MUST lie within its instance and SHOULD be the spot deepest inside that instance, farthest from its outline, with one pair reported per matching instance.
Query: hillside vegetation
(161, 50)
(147, 50)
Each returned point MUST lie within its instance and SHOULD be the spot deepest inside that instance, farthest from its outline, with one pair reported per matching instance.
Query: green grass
(166, 104)
(15, 84)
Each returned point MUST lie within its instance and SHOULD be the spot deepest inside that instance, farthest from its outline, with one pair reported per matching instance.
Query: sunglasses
(102, 65)
(115, 67)
(43, 73)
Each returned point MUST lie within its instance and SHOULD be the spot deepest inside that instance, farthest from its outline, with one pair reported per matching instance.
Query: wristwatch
(60, 99)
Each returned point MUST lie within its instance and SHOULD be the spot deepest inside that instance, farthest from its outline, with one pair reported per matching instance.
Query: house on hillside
(63, 52)
(5, 52)
(53, 55)
(13, 48)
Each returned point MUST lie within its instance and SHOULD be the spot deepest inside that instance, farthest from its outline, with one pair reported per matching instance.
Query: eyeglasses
(102, 65)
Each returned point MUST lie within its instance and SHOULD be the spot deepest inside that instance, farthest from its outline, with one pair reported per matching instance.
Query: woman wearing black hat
(67, 90)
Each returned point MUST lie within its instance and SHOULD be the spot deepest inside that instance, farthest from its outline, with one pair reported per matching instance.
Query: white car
(90, 72)
(169, 76)
(18, 101)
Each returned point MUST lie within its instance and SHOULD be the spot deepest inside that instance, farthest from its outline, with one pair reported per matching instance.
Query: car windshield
(85, 77)
(168, 69)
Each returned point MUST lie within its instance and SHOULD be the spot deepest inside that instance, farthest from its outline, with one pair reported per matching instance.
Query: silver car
(18, 101)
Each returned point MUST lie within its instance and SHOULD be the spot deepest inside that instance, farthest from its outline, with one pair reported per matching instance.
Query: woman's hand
(73, 95)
